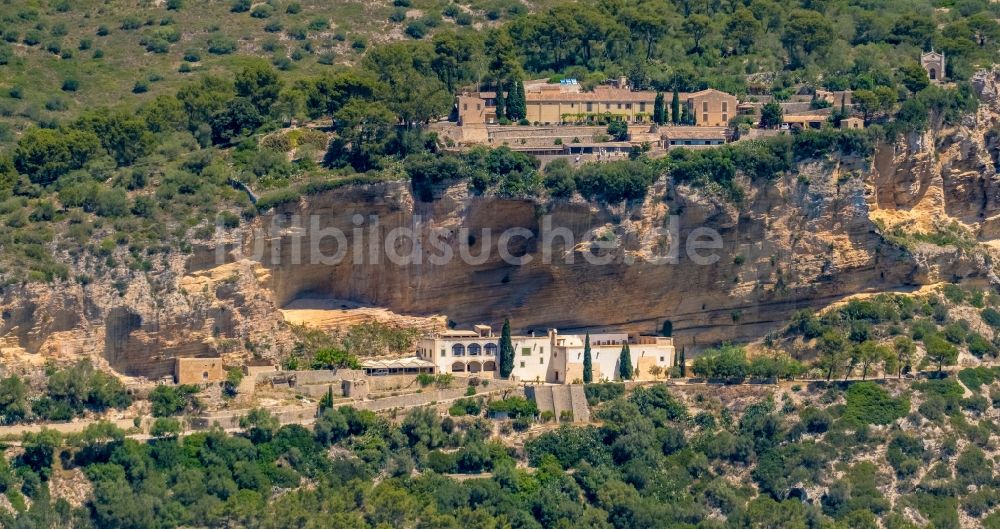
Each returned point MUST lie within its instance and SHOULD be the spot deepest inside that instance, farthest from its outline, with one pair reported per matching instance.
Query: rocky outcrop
(835, 227)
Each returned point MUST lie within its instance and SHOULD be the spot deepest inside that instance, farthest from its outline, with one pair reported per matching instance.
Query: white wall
(537, 363)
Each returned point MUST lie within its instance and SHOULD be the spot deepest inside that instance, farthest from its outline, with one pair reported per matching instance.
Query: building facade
(548, 104)
(711, 107)
(198, 370)
(554, 104)
(551, 358)
(933, 62)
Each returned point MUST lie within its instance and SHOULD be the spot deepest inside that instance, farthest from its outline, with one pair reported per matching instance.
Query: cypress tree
(517, 106)
(588, 366)
(327, 400)
(501, 104)
(506, 350)
(659, 112)
(675, 107)
(625, 363)
(683, 364)
(686, 117)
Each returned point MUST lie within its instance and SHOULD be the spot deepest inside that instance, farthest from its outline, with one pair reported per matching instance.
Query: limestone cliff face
(835, 227)
(801, 241)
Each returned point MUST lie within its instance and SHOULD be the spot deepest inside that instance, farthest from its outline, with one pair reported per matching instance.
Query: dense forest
(859, 455)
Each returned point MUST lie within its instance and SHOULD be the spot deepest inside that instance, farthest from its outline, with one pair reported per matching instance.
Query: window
(619, 106)
(465, 106)
(704, 119)
(458, 350)
(628, 106)
(704, 106)
(725, 117)
(525, 351)
(477, 106)
(443, 352)
(204, 375)
(642, 107)
(491, 349)
(474, 349)
(661, 359)
(590, 107)
(522, 364)
(725, 106)
(541, 360)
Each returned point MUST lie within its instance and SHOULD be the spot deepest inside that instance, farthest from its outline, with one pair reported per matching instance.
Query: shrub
(603, 392)
(70, 85)
(221, 45)
(615, 181)
(991, 317)
(514, 407)
(867, 403)
(463, 407)
(241, 6)
(416, 29)
(262, 11)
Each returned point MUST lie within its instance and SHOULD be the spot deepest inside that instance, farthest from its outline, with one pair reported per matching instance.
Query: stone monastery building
(553, 358)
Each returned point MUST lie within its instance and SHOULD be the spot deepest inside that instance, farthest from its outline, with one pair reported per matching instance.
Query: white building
(552, 358)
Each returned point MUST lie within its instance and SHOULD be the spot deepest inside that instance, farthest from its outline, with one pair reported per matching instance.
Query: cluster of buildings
(549, 104)
(550, 358)
(561, 114)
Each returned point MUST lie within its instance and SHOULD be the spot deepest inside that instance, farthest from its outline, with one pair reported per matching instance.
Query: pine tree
(500, 103)
(683, 364)
(625, 363)
(659, 112)
(506, 350)
(675, 107)
(588, 366)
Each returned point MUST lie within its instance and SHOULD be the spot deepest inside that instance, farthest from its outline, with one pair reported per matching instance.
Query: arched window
(933, 74)
(458, 350)
(491, 349)
(458, 367)
(475, 349)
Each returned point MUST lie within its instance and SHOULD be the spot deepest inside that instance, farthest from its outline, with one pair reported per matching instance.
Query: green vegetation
(897, 334)
(158, 171)
(730, 363)
(69, 392)
(505, 356)
(869, 404)
(173, 400)
(358, 468)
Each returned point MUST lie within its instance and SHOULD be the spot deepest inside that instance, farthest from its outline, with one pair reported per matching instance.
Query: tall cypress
(517, 106)
(506, 350)
(684, 369)
(659, 112)
(675, 107)
(625, 363)
(588, 366)
(501, 104)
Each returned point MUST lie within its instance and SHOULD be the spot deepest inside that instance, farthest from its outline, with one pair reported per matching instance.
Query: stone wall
(198, 370)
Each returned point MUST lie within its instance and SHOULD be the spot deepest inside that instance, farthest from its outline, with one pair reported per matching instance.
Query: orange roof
(600, 94)
(689, 132)
(704, 92)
